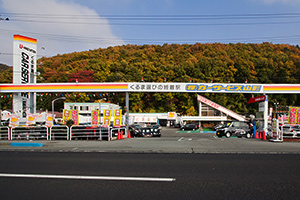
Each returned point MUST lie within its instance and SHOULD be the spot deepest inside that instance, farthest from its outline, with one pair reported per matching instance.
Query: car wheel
(227, 134)
(248, 135)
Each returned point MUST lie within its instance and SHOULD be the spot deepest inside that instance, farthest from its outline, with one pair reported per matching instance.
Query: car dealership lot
(171, 141)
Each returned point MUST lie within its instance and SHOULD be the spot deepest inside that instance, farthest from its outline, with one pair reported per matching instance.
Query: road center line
(111, 178)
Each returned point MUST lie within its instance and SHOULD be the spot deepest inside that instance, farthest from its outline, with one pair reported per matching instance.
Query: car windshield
(226, 125)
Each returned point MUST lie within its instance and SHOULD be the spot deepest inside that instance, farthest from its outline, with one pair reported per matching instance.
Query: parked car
(290, 130)
(147, 132)
(242, 133)
(177, 125)
(236, 128)
(189, 127)
(135, 131)
(156, 131)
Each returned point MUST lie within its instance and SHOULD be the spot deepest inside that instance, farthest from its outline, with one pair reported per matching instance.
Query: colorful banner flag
(75, 117)
(292, 115)
(31, 119)
(49, 120)
(298, 116)
(95, 117)
(66, 116)
(106, 118)
(14, 121)
(117, 117)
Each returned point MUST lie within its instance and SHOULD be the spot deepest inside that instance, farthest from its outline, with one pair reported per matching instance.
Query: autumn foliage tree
(201, 63)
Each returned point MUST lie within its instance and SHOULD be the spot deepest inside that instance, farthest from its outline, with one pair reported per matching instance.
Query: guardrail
(115, 131)
(4, 133)
(29, 133)
(85, 133)
(59, 133)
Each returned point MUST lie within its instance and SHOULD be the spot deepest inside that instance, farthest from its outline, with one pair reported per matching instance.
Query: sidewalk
(204, 143)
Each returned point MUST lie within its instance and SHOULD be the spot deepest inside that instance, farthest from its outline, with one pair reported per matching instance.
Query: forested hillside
(237, 63)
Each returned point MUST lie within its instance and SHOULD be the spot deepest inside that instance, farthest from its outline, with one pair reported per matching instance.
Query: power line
(176, 20)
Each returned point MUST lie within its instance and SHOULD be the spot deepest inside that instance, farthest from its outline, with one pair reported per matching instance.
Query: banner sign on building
(171, 115)
(117, 117)
(145, 119)
(24, 70)
(95, 117)
(106, 118)
(194, 87)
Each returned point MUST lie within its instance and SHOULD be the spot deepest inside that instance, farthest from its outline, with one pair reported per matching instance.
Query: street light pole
(276, 104)
(100, 121)
(53, 106)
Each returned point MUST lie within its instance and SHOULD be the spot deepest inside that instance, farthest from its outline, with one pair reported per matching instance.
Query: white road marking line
(180, 139)
(111, 178)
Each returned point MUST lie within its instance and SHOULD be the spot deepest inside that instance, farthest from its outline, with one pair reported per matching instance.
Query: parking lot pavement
(170, 142)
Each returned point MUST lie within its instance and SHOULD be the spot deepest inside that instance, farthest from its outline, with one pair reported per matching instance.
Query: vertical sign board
(106, 118)
(117, 117)
(66, 116)
(24, 70)
(75, 116)
(292, 115)
(94, 117)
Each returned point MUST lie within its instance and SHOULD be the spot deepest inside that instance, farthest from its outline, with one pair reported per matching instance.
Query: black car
(135, 131)
(235, 128)
(189, 127)
(156, 131)
(147, 132)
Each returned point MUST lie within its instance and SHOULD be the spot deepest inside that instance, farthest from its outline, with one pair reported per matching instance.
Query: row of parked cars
(228, 129)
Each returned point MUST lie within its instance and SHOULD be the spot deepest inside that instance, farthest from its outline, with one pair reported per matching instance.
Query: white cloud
(66, 27)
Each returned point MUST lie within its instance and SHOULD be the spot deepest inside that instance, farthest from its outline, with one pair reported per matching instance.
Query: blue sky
(65, 26)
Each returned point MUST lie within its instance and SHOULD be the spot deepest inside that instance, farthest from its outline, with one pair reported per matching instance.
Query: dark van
(235, 128)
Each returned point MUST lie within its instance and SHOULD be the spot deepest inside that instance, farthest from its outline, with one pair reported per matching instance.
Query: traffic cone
(256, 135)
(121, 135)
(129, 135)
(264, 136)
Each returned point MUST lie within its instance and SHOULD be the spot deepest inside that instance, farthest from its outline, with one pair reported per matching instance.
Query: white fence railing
(61, 133)
(29, 133)
(4, 133)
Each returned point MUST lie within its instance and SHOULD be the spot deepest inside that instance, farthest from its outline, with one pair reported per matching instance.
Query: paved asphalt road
(164, 176)
(175, 166)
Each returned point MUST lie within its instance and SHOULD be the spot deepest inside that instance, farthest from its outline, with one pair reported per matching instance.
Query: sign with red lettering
(257, 99)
